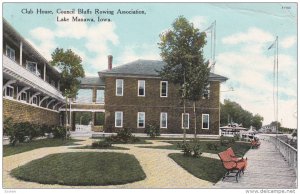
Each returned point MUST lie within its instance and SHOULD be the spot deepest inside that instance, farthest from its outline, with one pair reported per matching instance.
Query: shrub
(8, 125)
(123, 136)
(59, 132)
(190, 149)
(225, 141)
(212, 146)
(101, 144)
(152, 130)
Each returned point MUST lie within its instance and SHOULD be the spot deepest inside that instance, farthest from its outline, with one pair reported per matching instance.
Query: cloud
(249, 68)
(200, 22)
(253, 35)
(288, 42)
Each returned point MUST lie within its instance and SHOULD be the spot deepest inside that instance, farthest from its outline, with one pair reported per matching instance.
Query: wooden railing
(288, 152)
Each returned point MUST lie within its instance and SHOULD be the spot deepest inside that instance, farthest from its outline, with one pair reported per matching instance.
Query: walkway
(266, 169)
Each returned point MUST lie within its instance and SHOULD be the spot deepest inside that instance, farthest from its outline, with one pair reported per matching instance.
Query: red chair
(231, 166)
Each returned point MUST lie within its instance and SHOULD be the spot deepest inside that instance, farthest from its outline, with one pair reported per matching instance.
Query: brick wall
(21, 112)
(152, 104)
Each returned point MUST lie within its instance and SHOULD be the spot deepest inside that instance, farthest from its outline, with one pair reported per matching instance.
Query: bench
(255, 144)
(232, 164)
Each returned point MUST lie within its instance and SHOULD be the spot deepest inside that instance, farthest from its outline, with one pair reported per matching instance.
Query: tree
(71, 68)
(181, 50)
(233, 112)
(257, 121)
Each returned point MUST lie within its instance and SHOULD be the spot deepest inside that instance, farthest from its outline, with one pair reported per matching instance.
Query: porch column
(44, 71)
(21, 53)
(93, 121)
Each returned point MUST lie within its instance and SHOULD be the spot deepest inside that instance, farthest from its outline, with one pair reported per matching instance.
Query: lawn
(82, 169)
(142, 141)
(240, 148)
(24, 147)
(204, 168)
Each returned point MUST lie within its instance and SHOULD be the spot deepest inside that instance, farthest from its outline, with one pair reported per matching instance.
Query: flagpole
(277, 82)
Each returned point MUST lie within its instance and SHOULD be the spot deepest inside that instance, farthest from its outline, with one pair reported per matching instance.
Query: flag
(272, 45)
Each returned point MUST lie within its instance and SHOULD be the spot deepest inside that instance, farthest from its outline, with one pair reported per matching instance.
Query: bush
(212, 146)
(190, 149)
(8, 125)
(152, 130)
(225, 141)
(101, 144)
(123, 136)
(59, 132)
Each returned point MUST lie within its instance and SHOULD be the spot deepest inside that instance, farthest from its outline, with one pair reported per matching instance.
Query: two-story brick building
(135, 95)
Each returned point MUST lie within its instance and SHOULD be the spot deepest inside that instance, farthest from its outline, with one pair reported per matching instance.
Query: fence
(83, 128)
(288, 152)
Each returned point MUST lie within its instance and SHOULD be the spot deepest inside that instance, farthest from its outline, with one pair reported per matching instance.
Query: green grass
(109, 148)
(204, 168)
(24, 147)
(82, 169)
(240, 148)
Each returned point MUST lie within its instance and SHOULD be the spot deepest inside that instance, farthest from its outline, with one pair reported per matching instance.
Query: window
(205, 121)
(100, 96)
(10, 53)
(23, 96)
(119, 87)
(52, 82)
(84, 96)
(163, 120)
(141, 87)
(32, 67)
(141, 120)
(9, 91)
(34, 100)
(99, 118)
(119, 119)
(163, 89)
(185, 120)
(206, 92)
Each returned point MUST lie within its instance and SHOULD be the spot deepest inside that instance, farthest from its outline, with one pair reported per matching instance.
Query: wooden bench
(232, 164)
(255, 144)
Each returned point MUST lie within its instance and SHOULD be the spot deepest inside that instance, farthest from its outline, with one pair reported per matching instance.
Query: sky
(244, 32)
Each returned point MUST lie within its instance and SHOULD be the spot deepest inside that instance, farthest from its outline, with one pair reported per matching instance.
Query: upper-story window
(119, 87)
(100, 96)
(84, 96)
(52, 82)
(10, 53)
(206, 92)
(164, 89)
(141, 120)
(9, 91)
(185, 120)
(32, 67)
(205, 121)
(141, 87)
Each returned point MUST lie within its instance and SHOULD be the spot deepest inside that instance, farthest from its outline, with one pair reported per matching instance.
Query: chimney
(110, 58)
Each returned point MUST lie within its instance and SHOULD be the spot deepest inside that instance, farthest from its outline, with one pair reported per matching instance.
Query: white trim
(161, 82)
(9, 83)
(116, 118)
(34, 97)
(117, 86)
(161, 120)
(11, 49)
(82, 110)
(24, 92)
(144, 121)
(202, 121)
(138, 90)
(188, 120)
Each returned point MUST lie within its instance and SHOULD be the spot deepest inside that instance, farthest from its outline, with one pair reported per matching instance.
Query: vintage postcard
(150, 95)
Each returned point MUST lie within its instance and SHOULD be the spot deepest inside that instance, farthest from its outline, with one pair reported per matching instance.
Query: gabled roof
(145, 68)
(91, 81)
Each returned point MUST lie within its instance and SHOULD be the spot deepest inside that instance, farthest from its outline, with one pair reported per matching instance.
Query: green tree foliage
(71, 68)
(232, 111)
(182, 51)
